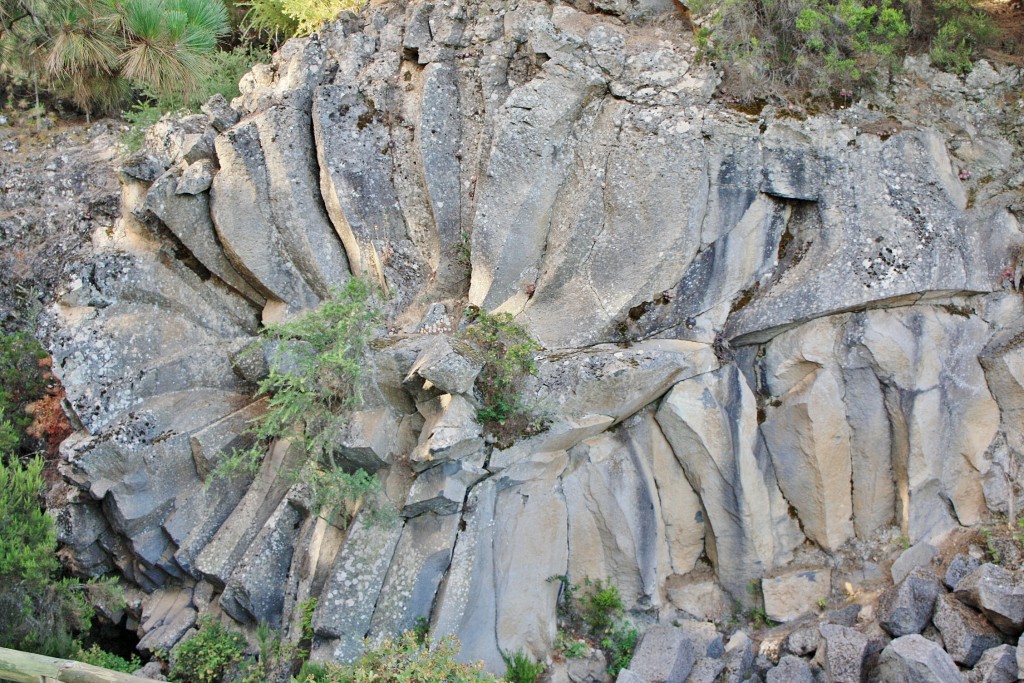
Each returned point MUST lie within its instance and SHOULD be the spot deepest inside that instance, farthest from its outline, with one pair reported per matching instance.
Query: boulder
(448, 364)
(960, 566)
(965, 633)
(997, 665)
(907, 608)
(915, 556)
(795, 592)
(803, 641)
(664, 654)
(843, 653)
(738, 657)
(998, 593)
(915, 659)
(790, 669)
(451, 431)
(698, 595)
(442, 488)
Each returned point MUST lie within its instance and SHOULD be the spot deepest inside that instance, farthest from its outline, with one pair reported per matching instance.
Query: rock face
(764, 337)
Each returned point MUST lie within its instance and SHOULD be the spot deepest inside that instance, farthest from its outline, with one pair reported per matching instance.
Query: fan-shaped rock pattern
(758, 331)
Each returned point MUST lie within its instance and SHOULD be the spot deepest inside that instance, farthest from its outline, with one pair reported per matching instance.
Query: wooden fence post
(25, 667)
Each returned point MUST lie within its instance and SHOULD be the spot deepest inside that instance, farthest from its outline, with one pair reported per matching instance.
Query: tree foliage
(831, 48)
(285, 18)
(94, 52)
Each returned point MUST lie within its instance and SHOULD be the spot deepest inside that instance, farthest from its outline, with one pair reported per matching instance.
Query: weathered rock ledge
(768, 338)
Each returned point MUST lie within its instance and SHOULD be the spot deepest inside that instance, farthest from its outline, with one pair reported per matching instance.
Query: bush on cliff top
(832, 48)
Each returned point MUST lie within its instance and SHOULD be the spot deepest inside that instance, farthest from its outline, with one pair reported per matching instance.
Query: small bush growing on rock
(830, 48)
(22, 381)
(508, 354)
(519, 668)
(403, 659)
(212, 655)
(97, 656)
(314, 379)
(278, 19)
(593, 610)
(316, 368)
(41, 613)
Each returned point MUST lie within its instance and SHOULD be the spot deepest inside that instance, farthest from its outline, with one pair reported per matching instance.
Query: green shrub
(402, 659)
(519, 668)
(830, 48)
(314, 380)
(213, 655)
(28, 539)
(22, 381)
(278, 19)
(618, 645)
(961, 31)
(339, 495)
(97, 656)
(41, 614)
(316, 368)
(508, 354)
(593, 612)
(601, 604)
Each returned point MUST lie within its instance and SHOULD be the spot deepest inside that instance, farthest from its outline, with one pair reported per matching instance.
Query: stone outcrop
(765, 338)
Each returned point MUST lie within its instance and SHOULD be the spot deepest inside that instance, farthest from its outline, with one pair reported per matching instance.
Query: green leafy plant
(829, 49)
(601, 604)
(402, 659)
(212, 655)
(421, 629)
(22, 381)
(569, 646)
(592, 611)
(339, 494)
(97, 656)
(315, 366)
(519, 668)
(961, 30)
(990, 546)
(275, 657)
(285, 18)
(307, 608)
(618, 645)
(508, 354)
(758, 616)
(42, 613)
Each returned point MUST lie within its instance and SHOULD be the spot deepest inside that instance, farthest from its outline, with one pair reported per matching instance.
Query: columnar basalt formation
(765, 336)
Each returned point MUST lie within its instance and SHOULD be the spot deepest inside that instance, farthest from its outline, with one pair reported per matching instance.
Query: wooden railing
(25, 667)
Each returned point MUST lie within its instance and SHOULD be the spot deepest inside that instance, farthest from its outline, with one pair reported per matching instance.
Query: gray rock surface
(907, 608)
(997, 665)
(767, 339)
(663, 654)
(842, 653)
(965, 633)
(916, 659)
(790, 669)
(998, 594)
